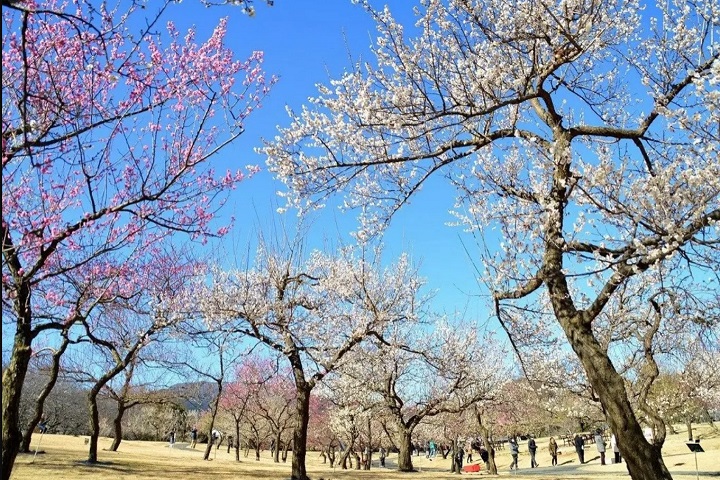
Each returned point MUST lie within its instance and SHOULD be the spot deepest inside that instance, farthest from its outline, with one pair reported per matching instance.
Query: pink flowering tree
(108, 124)
(582, 137)
(251, 395)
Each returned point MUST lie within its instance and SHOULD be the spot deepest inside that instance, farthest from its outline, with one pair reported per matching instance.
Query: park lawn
(64, 459)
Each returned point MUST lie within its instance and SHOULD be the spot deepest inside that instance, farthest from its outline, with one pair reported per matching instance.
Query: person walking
(42, 426)
(193, 437)
(600, 444)
(514, 451)
(553, 449)
(459, 455)
(616, 450)
(579, 447)
(532, 448)
(171, 438)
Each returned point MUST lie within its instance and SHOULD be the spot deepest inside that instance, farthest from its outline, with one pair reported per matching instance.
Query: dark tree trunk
(40, 401)
(276, 453)
(14, 376)
(117, 426)
(286, 450)
(644, 461)
(405, 454)
(344, 459)
(213, 414)
(237, 442)
(300, 434)
(688, 424)
(454, 466)
(492, 467)
(94, 422)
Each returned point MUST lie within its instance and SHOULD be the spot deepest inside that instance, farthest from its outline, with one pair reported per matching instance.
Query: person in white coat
(600, 443)
(616, 450)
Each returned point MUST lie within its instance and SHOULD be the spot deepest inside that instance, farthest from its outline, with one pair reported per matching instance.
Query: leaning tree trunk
(40, 401)
(213, 414)
(14, 377)
(644, 460)
(117, 426)
(286, 450)
(484, 434)
(405, 453)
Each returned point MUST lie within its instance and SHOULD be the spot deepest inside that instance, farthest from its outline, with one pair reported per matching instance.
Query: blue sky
(305, 43)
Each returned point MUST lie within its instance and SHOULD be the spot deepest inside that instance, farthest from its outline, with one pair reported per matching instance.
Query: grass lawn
(64, 456)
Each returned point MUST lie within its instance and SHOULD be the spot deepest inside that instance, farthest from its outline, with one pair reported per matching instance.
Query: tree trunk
(368, 460)
(286, 450)
(94, 423)
(117, 426)
(492, 467)
(300, 433)
(237, 442)
(14, 377)
(644, 461)
(688, 424)
(216, 403)
(40, 402)
(485, 436)
(454, 466)
(276, 453)
(344, 459)
(405, 454)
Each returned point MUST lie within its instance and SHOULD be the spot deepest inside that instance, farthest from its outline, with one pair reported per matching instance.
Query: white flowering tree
(421, 373)
(312, 311)
(582, 136)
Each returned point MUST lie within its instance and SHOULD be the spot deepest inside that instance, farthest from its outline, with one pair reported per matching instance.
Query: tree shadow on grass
(108, 466)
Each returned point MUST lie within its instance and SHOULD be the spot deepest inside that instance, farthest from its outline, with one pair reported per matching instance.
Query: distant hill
(193, 395)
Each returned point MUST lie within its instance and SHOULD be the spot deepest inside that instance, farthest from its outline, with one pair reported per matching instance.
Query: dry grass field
(64, 456)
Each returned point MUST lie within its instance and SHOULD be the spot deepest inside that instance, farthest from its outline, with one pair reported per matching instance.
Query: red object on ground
(475, 467)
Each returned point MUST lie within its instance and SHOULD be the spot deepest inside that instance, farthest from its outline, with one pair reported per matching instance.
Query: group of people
(553, 449)
(216, 438)
(579, 443)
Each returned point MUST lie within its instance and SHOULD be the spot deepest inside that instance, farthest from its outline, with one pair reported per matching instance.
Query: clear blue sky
(308, 42)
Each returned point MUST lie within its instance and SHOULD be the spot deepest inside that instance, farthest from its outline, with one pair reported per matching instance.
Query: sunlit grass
(64, 457)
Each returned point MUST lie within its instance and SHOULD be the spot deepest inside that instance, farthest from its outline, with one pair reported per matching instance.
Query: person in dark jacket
(580, 447)
(532, 448)
(459, 455)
